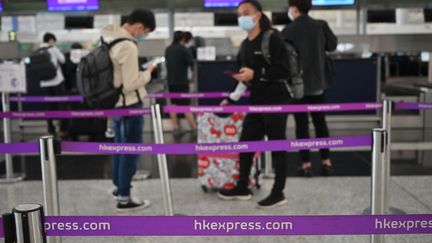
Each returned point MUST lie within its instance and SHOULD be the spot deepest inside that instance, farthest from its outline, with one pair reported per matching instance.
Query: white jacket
(57, 58)
(124, 56)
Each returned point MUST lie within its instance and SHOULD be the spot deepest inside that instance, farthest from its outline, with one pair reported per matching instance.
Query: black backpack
(294, 83)
(38, 61)
(95, 77)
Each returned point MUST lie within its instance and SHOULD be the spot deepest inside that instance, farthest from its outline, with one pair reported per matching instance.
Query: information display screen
(72, 5)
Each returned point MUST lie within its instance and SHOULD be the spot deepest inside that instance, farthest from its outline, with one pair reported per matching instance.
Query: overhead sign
(12, 78)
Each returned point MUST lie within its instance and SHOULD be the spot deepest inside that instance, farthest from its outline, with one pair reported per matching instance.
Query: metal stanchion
(378, 179)
(268, 165)
(25, 224)
(10, 176)
(162, 161)
(387, 120)
(48, 150)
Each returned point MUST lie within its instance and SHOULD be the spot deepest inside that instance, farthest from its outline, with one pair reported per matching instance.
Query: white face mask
(290, 16)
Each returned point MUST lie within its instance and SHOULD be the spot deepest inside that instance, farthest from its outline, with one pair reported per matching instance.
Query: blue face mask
(141, 38)
(246, 23)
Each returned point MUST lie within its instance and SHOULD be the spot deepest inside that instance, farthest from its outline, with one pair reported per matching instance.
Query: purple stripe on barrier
(1, 228)
(193, 95)
(75, 114)
(413, 106)
(276, 108)
(76, 226)
(45, 99)
(19, 148)
(241, 147)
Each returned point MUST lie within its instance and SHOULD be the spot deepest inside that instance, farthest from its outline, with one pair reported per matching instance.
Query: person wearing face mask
(262, 79)
(179, 61)
(313, 38)
(124, 56)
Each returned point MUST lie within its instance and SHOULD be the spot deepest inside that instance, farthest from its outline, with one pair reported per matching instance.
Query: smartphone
(230, 73)
(154, 62)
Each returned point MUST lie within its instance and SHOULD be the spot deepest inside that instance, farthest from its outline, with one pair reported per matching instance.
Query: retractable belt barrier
(74, 226)
(76, 98)
(413, 106)
(276, 108)
(199, 148)
(75, 114)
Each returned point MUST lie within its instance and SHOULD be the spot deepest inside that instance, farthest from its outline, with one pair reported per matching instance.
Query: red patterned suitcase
(221, 171)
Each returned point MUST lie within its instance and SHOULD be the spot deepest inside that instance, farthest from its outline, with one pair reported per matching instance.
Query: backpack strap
(265, 46)
(114, 42)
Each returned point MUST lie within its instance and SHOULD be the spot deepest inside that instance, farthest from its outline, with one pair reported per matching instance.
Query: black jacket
(312, 38)
(265, 87)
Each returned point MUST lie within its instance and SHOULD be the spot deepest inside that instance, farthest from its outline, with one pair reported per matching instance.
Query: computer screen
(72, 5)
(1, 6)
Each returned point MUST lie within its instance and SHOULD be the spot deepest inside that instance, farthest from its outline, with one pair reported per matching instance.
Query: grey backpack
(294, 82)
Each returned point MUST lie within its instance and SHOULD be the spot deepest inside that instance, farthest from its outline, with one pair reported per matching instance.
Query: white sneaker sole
(281, 203)
(235, 198)
(145, 205)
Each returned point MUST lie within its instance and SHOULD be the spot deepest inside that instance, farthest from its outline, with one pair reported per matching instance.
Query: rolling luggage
(221, 171)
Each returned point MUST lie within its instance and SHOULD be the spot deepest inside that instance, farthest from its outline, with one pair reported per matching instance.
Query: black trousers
(319, 122)
(255, 127)
(53, 106)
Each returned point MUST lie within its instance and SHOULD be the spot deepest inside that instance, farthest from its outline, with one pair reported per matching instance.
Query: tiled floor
(317, 196)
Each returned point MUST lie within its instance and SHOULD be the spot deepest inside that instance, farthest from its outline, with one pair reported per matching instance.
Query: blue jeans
(127, 130)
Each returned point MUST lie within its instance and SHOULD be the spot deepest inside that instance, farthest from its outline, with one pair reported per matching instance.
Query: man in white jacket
(55, 86)
(124, 56)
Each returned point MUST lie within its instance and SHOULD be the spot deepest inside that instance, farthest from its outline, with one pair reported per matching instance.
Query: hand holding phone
(230, 73)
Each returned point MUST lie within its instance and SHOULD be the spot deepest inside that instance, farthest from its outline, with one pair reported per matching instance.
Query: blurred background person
(179, 61)
(312, 38)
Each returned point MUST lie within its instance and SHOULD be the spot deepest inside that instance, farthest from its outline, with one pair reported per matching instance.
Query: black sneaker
(327, 170)
(305, 172)
(235, 194)
(132, 205)
(272, 201)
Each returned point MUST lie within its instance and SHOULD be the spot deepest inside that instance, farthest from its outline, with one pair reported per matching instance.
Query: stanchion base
(141, 175)
(392, 211)
(14, 179)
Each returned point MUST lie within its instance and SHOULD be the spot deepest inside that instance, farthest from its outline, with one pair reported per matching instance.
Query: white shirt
(57, 58)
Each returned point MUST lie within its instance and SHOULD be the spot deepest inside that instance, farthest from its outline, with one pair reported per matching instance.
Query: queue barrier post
(268, 164)
(24, 224)
(48, 150)
(162, 161)
(380, 139)
(10, 176)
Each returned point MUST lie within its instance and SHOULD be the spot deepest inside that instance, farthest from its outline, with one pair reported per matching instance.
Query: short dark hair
(49, 36)
(304, 6)
(143, 16)
(188, 36)
(255, 3)
(178, 36)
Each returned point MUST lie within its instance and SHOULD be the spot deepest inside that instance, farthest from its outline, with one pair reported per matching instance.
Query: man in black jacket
(313, 38)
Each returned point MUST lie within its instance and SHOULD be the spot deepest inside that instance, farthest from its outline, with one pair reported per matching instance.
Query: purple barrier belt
(75, 114)
(241, 147)
(413, 106)
(19, 148)
(42, 99)
(193, 95)
(276, 108)
(236, 225)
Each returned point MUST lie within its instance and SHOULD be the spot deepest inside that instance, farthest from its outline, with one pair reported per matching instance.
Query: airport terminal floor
(295, 121)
